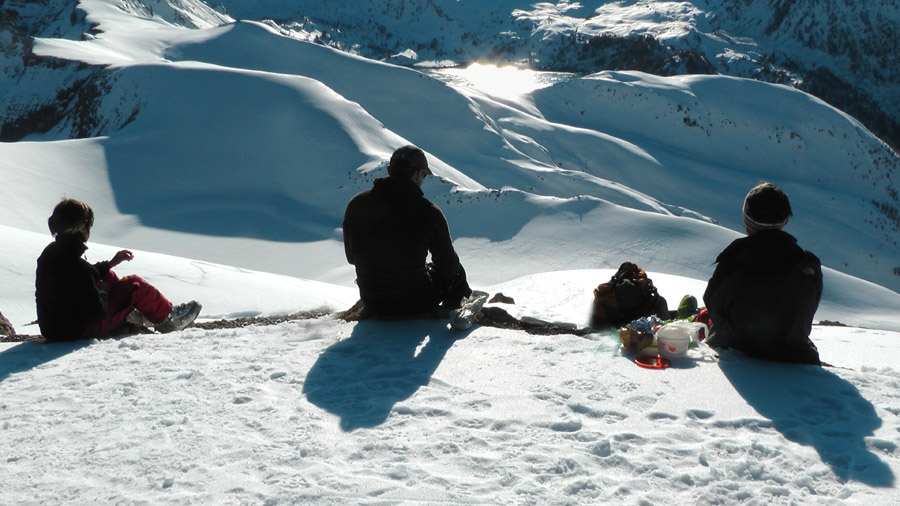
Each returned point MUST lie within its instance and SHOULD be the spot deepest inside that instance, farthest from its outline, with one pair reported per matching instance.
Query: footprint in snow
(699, 414)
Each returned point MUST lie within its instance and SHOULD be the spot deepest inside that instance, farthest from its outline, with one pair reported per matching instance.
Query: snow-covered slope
(327, 412)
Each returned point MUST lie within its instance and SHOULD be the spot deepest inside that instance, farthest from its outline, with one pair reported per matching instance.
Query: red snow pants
(125, 294)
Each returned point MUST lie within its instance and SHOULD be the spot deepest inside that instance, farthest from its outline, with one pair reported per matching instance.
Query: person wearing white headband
(765, 291)
(766, 207)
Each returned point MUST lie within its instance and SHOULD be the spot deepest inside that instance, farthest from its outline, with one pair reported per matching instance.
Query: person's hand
(122, 256)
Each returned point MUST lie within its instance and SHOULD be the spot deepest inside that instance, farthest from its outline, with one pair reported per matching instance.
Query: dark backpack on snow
(627, 296)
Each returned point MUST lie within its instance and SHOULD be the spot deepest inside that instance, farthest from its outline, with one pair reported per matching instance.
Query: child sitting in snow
(765, 289)
(78, 300)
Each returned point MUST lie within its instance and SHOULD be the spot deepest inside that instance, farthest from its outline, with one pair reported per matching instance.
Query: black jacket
(388, 233)
(763, 296)
(69, 291)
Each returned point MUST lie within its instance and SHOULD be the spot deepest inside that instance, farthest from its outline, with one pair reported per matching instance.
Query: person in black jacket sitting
(78, 300)
(389, 231)
(766, 289)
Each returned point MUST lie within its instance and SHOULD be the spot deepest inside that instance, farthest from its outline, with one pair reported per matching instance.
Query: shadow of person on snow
(28, 355)
(812, 406)
(361, 378)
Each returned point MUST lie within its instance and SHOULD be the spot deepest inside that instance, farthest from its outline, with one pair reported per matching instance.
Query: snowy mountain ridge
(843, 52)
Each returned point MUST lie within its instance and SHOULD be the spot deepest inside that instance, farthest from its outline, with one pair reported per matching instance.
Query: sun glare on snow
(504, 82)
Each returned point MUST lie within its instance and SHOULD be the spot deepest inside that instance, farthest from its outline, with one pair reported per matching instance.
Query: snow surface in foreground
(328, 412)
